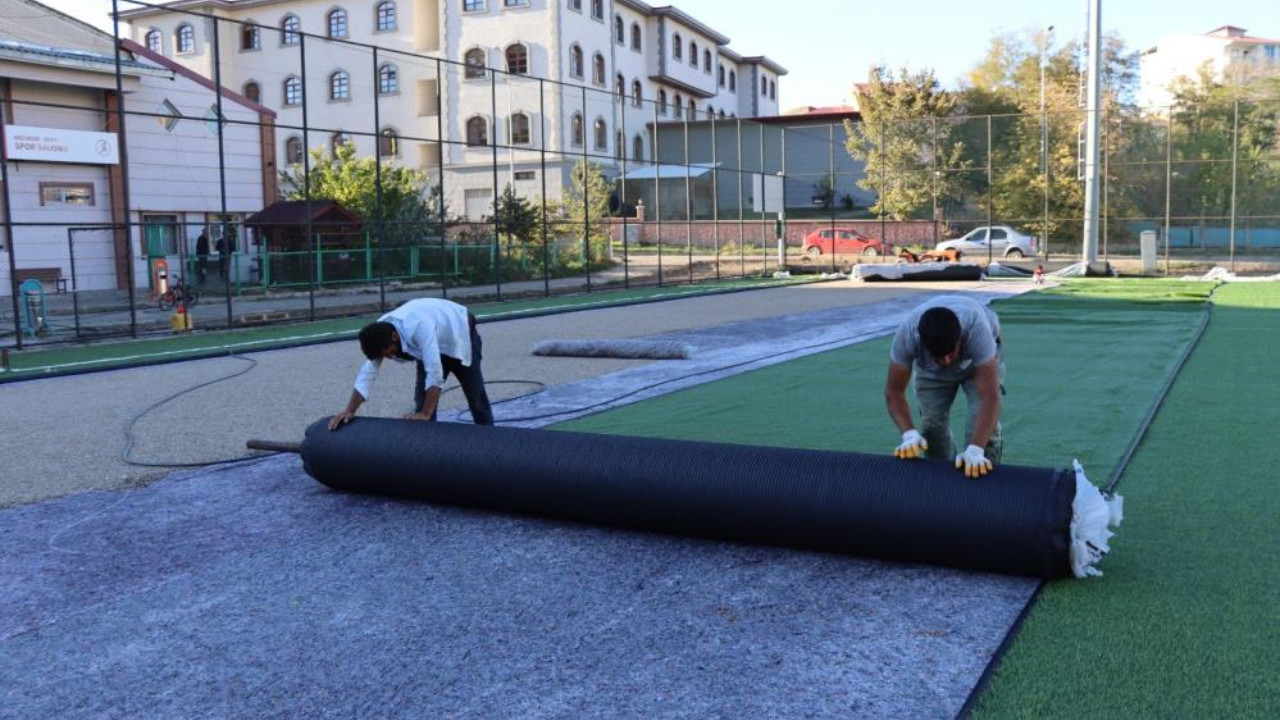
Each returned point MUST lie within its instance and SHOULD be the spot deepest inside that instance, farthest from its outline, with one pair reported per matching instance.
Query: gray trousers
(935, 398)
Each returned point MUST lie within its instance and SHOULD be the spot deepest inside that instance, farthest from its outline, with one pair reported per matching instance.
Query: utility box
(1147, 248)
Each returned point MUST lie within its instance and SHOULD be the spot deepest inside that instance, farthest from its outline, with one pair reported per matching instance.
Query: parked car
(999, 241)
(843, 241)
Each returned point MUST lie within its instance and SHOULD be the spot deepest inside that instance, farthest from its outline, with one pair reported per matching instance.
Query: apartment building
(1226, 52)
(576, 78)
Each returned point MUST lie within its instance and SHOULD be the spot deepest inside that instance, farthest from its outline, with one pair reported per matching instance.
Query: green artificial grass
(1186, 622)
(47, 362)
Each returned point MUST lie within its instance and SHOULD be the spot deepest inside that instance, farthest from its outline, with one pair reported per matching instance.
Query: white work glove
(913, 446)
(974, 462)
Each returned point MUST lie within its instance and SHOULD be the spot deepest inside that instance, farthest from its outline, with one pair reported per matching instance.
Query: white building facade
(68, 162)
(1220, 51)
(576, 78)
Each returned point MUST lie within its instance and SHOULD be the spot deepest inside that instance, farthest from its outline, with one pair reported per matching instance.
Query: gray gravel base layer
(251, 591)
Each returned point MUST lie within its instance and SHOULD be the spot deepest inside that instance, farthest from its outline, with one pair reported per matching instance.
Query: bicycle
(179, 293)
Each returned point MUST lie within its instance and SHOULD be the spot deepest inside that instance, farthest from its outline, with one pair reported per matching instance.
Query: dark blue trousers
(471, 380)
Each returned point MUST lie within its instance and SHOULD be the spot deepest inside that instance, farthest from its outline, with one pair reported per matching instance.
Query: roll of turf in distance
(1016, 520)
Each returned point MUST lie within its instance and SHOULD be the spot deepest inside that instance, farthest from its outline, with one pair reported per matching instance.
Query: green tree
(585, 206)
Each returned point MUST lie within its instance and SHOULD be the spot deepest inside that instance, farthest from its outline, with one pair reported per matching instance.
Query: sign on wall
(23, 142)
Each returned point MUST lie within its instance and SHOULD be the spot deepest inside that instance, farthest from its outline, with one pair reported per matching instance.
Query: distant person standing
(202, 257)
(1038, 275)
(225, 247)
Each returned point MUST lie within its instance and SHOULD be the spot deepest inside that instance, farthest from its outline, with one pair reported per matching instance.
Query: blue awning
(670, 172)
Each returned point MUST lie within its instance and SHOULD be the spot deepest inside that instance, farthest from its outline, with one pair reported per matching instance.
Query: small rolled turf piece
(642, 349)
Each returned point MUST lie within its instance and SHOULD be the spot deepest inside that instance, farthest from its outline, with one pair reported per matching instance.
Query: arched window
(184, 39)
(637, 149)
(619, 146)
(679, 105)
(518, 59)
(597, 69)
(601, 135)
(619, 30)
(773, 90)
(575, 61)
(292, 90)
(250, 37)
(637, 93)
(764, 86)
(706, 61)
(520, 133)
(388, 80)
(733, 81)
(693, 53)
(720, 74)
(635, 36)
(290, 30)
(293, 150)
(711, 112)
(693, 109)
(388, 143)
(384, 16)
(340, 85)
(154, 41)
(477, 132)
(337, 23)
(597, 9)
(253, 91)
(576, 130)
(619, 86)
(340, 139)
(721, 115)
(475, 64)
(662, 102)
(677, 47)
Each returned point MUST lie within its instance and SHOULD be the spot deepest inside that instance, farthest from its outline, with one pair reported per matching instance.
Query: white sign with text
(22, 142)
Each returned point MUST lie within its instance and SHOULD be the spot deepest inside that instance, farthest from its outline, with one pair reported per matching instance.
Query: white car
(999, 241)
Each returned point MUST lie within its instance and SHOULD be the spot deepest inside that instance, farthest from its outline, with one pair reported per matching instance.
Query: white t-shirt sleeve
(426, 340)
(364, 379)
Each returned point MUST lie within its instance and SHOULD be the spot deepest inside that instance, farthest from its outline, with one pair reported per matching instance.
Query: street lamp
(1044, 137)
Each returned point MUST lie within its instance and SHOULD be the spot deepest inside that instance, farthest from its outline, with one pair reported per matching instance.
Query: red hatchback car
(846, 241)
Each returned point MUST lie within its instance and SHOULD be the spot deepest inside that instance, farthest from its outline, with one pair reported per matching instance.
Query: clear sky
(828, 44)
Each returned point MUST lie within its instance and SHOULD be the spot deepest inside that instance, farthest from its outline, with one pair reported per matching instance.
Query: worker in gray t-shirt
(952, 342)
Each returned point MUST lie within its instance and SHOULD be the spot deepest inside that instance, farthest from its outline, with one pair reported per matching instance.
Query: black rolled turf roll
(1015, 520)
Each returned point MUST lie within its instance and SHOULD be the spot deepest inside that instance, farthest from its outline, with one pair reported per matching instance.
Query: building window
(290, 30)
(720, 75)
(619, 30)
(293, 151)
(733, 81)
(337, 23)
(679, 105)
(475, 65)
(520, 134)
(637, 93)
(706, 61)
(693, 109)
(253, 91)
(576, 130)
(168, 116)
(637, 149)
(693, 53)
(388, 143)
(721, 115)
(711, 112)
(250, 38)
(662, 102)
(619, 146)
(161, 232)
(340, 140)
(477, 132)
(292, 91)
(635, 36)
(185, 40)
(677, 47)
(516, 3)
(620, 86)
(575, 5)
(388, 80)
(518, 59)
(764, 86)
(340, 86)
(597, 69)
(773, 90)
(601, 135)
(522, 175)
(597, 9)
(385, 17)
(575, 62)
(154, 41)
(472, 5)
(79, 194)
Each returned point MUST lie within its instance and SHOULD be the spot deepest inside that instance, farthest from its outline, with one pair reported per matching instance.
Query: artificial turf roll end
(1093, 513)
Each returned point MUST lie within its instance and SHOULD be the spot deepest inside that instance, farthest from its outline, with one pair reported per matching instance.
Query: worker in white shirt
(441, 337)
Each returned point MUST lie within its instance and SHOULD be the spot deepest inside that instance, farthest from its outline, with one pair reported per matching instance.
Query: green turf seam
(1007, 642)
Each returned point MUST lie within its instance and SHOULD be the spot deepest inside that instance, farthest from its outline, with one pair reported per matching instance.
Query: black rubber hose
(1015, 520)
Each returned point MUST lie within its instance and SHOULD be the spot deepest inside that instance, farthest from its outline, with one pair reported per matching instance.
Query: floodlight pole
(1091, 133)
(1044, 138)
